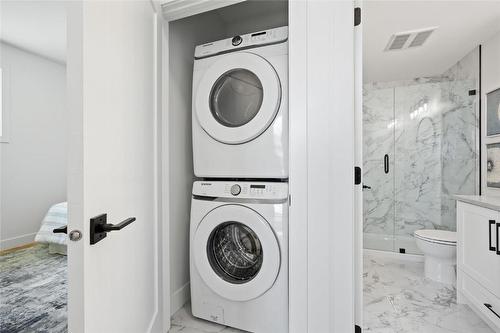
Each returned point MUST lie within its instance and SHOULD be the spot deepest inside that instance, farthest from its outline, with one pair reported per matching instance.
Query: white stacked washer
(239, 254)
(240, 107)
(239, 231)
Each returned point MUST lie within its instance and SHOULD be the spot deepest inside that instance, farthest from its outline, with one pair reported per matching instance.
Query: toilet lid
(441, 236)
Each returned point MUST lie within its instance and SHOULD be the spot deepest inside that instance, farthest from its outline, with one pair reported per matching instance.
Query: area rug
(33, 291)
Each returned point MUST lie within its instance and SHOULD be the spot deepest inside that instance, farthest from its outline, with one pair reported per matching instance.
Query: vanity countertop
(480, 200)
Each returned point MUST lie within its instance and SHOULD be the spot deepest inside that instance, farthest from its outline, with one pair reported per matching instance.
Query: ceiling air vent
(398, 42)
(407, 39)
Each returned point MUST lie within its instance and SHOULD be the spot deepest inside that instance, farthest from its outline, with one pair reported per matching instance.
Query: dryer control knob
(235, 189)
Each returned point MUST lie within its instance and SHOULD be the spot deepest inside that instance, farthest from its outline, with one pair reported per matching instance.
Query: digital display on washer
(259, 33)
(257, 186)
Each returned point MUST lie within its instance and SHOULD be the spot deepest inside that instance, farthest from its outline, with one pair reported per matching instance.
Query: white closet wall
(184, 35)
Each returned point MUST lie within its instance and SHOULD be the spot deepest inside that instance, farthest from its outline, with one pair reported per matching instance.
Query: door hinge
(357, 16)
(357, 175)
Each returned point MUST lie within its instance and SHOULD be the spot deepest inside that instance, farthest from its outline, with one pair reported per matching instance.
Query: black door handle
(492, 223)
(491, 309)
(113, 227)
(367, 187)
(99, 227)
(61, 230)
(386, 163)
(498, 239)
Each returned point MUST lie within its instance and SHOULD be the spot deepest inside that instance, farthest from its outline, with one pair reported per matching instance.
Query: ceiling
(35, 26)
(40, 27)
(462, 25)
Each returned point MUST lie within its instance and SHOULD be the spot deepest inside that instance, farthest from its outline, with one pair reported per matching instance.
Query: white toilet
(440, 251)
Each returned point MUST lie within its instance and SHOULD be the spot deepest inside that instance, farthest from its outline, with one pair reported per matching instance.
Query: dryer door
(236, 252)
(238, 98)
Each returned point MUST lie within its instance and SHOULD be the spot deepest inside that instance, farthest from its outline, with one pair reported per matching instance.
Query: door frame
(321, 184)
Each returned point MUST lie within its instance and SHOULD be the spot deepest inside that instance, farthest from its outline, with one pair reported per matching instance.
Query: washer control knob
(235, 189)
(236, 40)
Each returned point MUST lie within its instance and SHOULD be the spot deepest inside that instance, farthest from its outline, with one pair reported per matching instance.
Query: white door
(111, 91)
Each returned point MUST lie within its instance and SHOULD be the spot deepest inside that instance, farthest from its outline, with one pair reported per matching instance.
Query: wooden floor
(17, 248)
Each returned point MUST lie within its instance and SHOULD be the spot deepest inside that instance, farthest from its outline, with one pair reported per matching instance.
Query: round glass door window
(234, 252)
(236, 97)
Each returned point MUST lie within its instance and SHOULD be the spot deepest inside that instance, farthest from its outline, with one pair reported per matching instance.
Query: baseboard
(17, 241)
(394, 255)
(179, 297)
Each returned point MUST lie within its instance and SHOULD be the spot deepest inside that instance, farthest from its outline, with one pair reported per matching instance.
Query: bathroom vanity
(478, 256)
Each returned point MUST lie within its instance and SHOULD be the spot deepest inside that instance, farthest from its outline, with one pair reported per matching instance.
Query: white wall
(184, 36)
(250, 16)
(490, 78)
(33, 162)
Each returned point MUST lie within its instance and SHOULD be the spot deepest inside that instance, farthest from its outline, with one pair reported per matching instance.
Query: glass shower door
(378, 168)
(417, 172)
(420, 147)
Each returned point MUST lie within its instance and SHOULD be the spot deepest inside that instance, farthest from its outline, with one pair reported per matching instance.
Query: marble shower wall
(428, 127)
(378, 140)
(460, 147)
(417, 171)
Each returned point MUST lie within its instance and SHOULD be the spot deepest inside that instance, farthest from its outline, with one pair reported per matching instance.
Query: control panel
(244, 190)
(271, 36)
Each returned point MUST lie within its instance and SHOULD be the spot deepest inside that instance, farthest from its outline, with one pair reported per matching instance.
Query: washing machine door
(236, 252)
(238, 98)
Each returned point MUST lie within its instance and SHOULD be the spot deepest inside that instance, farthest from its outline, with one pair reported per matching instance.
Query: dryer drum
(236, 97)
(234, 252)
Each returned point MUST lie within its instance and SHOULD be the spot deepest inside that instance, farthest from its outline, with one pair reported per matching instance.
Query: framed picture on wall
(493, 165)
(493, 112)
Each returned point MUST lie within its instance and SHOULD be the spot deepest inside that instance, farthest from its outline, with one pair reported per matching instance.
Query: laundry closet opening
(184, 35)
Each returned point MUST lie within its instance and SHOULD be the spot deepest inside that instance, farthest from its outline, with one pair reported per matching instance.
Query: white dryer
(240, 106)
(239, 254)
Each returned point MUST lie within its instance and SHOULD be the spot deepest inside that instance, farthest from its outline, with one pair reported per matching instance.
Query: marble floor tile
(398, 299)
(183, 321)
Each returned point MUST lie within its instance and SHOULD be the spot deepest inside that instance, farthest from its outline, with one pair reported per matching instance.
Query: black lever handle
(113, 227)
(490, 307)
(367, 187)
(99, 227)
(491, 224)
(61, 230)
(498, 239)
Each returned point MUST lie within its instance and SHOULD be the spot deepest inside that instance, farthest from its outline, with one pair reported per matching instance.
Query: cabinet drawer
(481, 299)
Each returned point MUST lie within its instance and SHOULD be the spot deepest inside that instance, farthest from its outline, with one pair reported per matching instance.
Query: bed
(56, 217)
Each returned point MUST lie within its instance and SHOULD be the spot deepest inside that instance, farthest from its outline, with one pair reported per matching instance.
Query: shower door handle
(386, 163)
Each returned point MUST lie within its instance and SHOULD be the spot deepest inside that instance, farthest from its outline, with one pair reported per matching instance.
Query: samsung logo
(206, 184)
